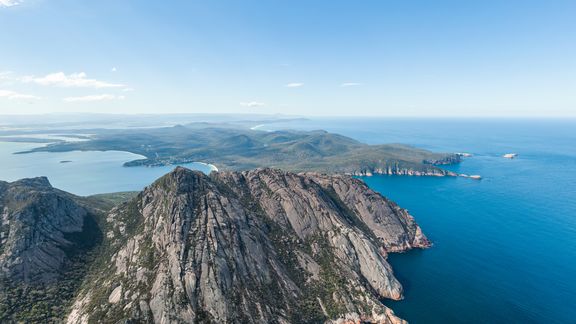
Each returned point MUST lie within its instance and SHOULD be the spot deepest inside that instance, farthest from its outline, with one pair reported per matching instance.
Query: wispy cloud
(252, 104)
(7, 77)
(102, 97)
(9, 3)
(294, 85)
(12, 95)
(350, 84)
(74, 80)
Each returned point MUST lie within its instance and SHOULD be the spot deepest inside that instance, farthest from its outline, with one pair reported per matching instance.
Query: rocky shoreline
(394, 169)
(263, 245)
(405, 172)
(427, 172)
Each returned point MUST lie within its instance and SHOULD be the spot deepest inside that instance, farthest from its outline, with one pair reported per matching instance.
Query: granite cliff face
(46, 236)
(40, 229)
(402, 170)
(261, 246)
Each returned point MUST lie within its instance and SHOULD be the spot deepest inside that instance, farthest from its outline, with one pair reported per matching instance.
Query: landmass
(263, 245)
(236, 149)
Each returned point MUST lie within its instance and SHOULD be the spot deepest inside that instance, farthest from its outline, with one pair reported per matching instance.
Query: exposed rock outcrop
(40, 228)
(257, 246)
(46, 238)
(432, 172)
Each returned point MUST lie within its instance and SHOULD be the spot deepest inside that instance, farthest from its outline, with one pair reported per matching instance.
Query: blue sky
(381, 58)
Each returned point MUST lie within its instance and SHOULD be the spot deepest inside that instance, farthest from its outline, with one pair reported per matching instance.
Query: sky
(328, 58)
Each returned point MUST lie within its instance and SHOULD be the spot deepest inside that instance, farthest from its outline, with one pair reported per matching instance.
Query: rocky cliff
(41, 227)
(396, 169)
(261, 246)
(45, 236)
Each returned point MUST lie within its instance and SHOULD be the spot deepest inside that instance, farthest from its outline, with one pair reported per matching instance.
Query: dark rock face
(46, 239)
(40, 227)
(261, 246)
(447, 160)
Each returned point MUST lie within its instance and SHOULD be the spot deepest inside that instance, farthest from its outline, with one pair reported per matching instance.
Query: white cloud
(294, 85)
(7, 77)
(9, 3)
(74, 80)
(350, 84)
(15, 95)
(252, 104)
(114, 69)
(102, 97)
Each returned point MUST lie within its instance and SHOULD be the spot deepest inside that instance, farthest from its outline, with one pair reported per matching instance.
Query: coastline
(212, 167)
(429, 165)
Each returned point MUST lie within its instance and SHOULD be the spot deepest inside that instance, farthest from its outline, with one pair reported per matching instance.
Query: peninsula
(238, 149)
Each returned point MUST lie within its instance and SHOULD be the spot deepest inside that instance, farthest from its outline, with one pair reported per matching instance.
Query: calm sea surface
(504, 247)
(81, 173)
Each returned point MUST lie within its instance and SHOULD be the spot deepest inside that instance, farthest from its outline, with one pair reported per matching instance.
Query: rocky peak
(181, 180)
(256, 246)
(33, 183)
(37, 230)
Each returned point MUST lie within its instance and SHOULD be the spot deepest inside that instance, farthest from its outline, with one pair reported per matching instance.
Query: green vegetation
(241, 149)
(49, 302)
(131, 220)
(108, 200)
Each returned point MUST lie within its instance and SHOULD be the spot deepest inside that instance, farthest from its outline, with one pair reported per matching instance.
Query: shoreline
(212, 167)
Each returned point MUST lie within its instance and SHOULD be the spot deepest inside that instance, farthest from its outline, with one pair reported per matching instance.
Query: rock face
(404, 170)
(261, 246)
(40, 228)
(46, 238)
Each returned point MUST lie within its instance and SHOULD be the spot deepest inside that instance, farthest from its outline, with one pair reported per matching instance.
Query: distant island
(238, 148)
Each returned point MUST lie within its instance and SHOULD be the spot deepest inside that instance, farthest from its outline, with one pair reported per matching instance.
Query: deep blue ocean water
(504, 247)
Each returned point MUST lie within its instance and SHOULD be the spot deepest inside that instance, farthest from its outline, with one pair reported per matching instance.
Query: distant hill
(234, 148)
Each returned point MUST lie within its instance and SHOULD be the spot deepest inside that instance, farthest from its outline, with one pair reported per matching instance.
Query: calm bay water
(86, 173)
(504, 247)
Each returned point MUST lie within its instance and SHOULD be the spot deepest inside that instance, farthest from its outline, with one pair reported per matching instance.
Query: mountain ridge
(47, 239)
(240, 149)
(262, 246)
(255, 246)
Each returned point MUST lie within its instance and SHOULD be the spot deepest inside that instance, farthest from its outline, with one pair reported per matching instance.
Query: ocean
(504, 247)
(81, 173)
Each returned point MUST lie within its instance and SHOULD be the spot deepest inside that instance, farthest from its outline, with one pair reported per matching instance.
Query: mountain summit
(260, 246)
